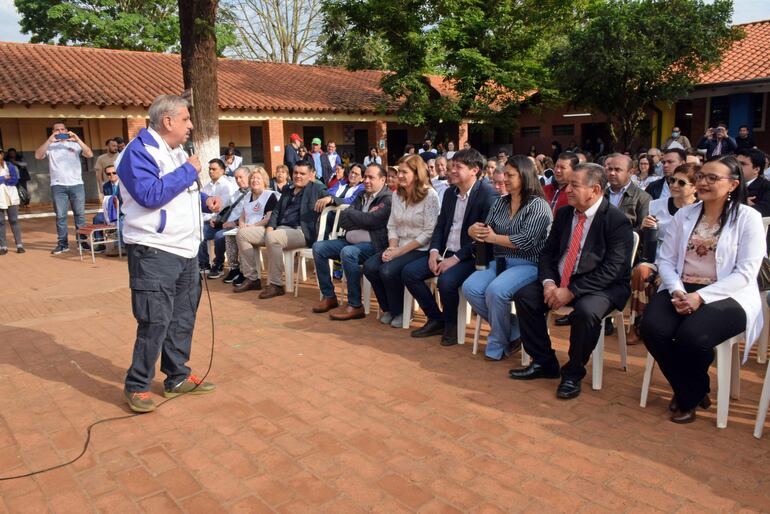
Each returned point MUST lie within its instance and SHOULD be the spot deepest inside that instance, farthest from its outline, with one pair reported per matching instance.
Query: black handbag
(763, 278)
(23, 195)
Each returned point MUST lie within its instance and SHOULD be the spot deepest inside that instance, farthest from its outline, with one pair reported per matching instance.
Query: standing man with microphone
(162, 204)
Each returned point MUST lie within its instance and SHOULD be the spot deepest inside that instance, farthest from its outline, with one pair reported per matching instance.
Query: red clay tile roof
(59, 75)
(747, 59)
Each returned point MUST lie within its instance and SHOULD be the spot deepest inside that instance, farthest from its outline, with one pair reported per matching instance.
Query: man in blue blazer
(451, 258)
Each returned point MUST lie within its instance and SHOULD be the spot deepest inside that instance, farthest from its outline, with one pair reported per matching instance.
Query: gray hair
(244, 169)
(165, 105)
(594, 174)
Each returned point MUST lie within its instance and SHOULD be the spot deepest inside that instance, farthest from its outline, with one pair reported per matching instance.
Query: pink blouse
(700, 265)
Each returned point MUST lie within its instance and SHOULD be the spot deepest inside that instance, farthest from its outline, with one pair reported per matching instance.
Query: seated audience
(450, 257)
(672, 158)
(752, 162)
(708, 265)
(646, 174)
(258, 206)
(413, 215)
(644, 277)
(293, 224)
(232, 161)
(223, 187)
(366, 233)
(346, 190)
(373, 157)
(281, 178)
(498, 182)
(517, 227)
(111, 187)
(392, 178)
(585, 264)
(337, 176)
(555, 191)
(231, 215)
(622, 192)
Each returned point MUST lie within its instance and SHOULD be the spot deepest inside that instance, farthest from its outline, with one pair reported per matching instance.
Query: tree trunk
(197, 19)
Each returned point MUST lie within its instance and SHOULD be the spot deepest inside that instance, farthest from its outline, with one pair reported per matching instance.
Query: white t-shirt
(64, 163)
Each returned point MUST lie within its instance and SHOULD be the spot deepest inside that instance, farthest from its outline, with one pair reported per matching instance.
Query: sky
(744, 11)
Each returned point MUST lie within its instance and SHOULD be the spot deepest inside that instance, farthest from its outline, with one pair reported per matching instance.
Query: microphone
(189, 149)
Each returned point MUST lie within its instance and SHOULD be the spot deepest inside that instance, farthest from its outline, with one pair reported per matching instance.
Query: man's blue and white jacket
(161, 200)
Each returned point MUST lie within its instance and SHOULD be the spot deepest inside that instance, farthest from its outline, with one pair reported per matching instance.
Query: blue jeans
(64, 198)
(352, 256)
(417, 272)
(490, 296)
(218, 235)
(386, 280)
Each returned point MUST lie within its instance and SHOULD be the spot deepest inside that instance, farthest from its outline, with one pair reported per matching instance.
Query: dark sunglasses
(671, 181)
(110, 174)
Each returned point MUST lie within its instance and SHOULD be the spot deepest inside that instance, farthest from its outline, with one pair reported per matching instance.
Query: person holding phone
(64, 149)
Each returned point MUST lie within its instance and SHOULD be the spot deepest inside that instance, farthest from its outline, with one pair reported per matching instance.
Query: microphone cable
(90, 427)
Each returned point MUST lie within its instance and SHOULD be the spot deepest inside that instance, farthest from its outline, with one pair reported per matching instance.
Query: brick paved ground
(316, 416)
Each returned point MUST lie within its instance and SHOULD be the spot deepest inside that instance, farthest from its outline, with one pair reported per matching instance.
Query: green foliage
(120, 24)
(632, 53)
(491, 51)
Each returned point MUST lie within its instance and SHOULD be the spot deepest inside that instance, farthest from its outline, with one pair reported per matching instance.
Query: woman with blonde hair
(413, 216)
(257, 208)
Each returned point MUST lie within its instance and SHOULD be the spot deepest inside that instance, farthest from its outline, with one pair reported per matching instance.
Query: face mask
(675, 134)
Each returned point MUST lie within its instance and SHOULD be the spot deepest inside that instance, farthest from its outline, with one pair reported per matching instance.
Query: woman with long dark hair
(708, 265)
(516, 226)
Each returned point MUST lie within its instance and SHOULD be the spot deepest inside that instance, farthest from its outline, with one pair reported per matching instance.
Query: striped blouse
(527, 230)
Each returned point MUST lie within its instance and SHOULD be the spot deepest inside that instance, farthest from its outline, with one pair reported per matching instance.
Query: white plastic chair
(306, 254)
(110, 230)
(764, 402)
(763, 335)
(728, 373)
(289, 255)
(411, 305)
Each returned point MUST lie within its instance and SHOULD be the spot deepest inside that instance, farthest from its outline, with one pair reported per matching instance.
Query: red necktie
(573, 250)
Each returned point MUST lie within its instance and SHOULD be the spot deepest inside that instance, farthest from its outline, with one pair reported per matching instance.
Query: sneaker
(232, 275)
(204, 268)
(397, 321)
(60, 249)
(216, 272)
(3, 251)
(239, 279)
(20, 249)
(386, 318)
(140, 401)
(191, 385)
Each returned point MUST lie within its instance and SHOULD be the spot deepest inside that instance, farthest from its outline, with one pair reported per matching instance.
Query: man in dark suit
(622, 192)
(293, 223)
(671, 159)
(366, 233)
(450, 257)
(586, 264)
(757, 186)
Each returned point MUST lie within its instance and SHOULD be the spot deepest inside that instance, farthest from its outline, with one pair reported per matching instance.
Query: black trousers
(586, 321)
(683, 345)
(165, 292)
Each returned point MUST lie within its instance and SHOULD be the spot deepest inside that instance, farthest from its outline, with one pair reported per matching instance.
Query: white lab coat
(739, 254)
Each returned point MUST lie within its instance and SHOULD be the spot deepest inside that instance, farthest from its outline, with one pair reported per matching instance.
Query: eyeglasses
(110, 174)
(671, 181)
(711, 179)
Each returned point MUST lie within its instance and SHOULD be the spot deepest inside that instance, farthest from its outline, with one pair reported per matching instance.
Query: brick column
(132, 126)
(462, 135)
(273, 144)
(381, 140)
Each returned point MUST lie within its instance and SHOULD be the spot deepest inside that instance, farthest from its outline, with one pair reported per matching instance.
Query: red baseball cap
(295, 137)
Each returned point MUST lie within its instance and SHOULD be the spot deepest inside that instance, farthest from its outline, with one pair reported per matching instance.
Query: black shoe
(60, 249)
(532, 372)
(204, 269)
(568, 389)
(609, 328)
(562, 322)
(432, 327)
(216, 272)
(3, 251)
(20, 249)
(239, 279)
(232, 275)
(705, 403)
(513, 347)
(682, 418)
(449, 338)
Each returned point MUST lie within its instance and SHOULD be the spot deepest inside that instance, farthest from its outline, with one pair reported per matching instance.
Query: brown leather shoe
(683, 417)
(326, 305)
(271, 291)
(248, 285)
(348, 313)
